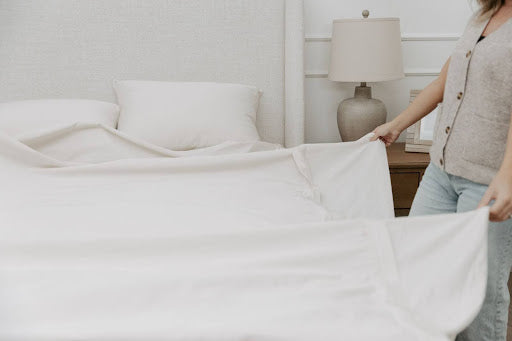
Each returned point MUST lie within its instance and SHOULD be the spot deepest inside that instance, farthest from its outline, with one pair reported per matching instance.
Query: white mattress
(108, 238)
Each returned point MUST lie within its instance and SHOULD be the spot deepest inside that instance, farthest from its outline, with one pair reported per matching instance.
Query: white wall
(430, 29)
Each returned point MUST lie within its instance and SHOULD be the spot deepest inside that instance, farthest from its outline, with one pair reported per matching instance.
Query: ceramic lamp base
(360, 115)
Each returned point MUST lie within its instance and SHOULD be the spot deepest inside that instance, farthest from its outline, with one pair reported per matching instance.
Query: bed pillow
(24, 118)
(187, 115)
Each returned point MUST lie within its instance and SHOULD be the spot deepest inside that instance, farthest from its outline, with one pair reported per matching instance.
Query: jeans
(439, 193)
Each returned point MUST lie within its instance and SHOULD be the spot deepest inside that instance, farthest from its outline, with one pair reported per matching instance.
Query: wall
(430, 29)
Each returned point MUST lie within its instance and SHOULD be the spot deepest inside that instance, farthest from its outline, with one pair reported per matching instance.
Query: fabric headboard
(76, 48)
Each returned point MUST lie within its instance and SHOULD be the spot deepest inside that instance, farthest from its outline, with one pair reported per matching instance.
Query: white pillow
(24, 118)
(187, 115)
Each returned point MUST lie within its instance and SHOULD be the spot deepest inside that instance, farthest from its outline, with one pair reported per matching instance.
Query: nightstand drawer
(404, 187)
(406, 171)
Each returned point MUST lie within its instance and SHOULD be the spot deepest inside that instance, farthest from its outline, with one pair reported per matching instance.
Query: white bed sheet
(107, 238)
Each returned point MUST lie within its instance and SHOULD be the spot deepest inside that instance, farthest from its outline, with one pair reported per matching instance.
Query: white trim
(294, 115)
(318, 39)
(408, 73)
(422, 73)
(405, 37)
(312, 74)
(430, 37)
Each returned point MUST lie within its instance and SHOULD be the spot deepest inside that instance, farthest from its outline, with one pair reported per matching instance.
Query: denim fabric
(440, 192)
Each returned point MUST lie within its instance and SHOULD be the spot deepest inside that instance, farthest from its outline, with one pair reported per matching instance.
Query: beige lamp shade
(366, 50)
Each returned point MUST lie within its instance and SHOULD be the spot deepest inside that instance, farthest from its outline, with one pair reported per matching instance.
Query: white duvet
(104, 237)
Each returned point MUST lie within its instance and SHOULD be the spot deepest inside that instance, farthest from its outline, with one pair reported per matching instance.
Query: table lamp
(364, 50)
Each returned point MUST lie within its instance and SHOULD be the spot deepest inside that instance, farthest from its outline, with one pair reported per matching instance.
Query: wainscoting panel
(427, 41)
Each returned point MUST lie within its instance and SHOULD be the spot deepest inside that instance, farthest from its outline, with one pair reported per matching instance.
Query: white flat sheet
(107, 238)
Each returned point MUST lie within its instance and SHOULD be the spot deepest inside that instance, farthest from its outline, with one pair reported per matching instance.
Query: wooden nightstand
(406, 171)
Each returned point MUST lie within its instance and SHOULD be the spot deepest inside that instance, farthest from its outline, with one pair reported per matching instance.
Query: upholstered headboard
(76, 48)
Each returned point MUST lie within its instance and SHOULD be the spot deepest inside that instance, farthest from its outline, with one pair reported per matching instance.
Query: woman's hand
(500, 190)
(387, 133)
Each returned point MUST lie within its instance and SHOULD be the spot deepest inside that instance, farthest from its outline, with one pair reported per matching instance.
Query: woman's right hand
(387, 133)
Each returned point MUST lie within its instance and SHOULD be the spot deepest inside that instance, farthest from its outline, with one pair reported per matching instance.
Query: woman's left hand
(500, 190)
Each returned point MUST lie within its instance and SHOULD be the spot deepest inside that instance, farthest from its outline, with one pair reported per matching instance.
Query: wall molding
(408, 73)
(405, 37)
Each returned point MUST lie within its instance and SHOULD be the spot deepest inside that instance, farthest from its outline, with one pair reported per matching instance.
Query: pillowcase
(188, 115)
(24, 118)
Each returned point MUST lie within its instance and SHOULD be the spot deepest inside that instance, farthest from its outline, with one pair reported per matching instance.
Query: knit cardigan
(471, 128)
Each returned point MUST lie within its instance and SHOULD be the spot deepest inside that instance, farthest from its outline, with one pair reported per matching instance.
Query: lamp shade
(366, 50)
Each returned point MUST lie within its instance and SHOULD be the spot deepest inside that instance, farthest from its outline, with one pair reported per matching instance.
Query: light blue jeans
(440, 192)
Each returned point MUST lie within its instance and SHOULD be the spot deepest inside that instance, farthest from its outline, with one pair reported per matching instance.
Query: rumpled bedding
(106, 237)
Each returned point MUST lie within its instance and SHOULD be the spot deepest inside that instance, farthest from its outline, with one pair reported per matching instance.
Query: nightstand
(406, 171)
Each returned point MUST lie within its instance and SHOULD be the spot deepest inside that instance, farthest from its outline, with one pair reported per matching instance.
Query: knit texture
(471, 129)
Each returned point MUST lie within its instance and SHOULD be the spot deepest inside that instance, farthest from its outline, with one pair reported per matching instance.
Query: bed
(106, 236)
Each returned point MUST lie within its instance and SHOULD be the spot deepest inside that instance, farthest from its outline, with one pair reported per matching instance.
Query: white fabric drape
(108, 238)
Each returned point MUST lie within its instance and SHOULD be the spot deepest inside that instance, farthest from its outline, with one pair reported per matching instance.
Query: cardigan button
(468, 54)
(459, 95)
(441, 162)
(447, 130)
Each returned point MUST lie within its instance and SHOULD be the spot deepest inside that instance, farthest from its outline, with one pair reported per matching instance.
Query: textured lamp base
(360, 115)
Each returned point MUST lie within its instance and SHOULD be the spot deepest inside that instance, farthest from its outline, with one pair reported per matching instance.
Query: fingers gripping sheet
(105, 237)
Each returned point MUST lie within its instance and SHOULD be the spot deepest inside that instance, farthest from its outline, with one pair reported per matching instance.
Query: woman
(472, 149)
